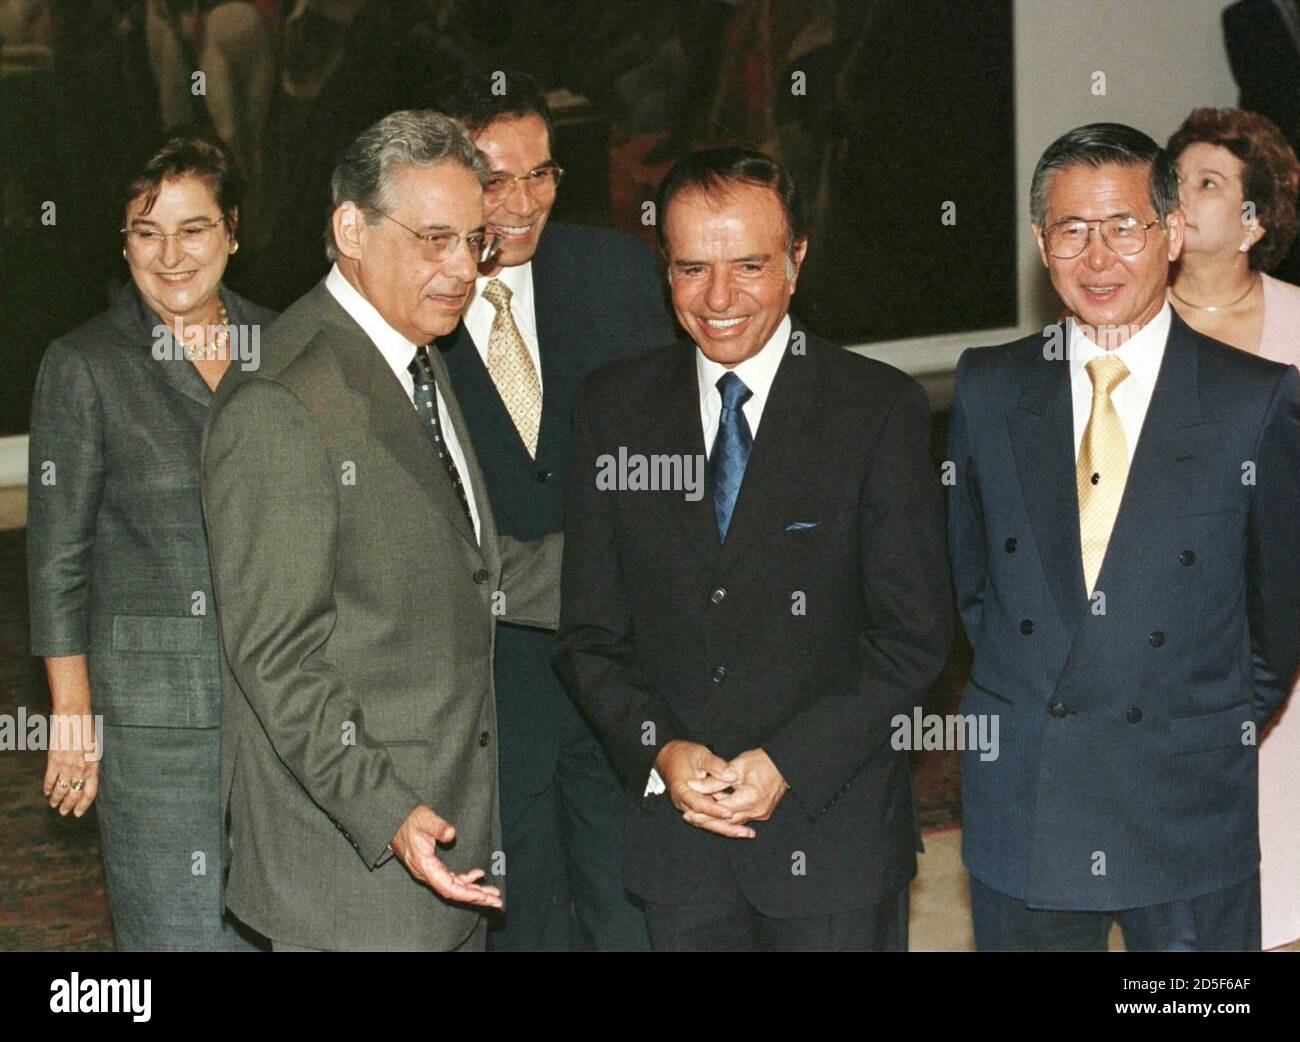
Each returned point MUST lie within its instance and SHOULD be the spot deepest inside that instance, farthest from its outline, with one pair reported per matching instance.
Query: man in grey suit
(359, 577)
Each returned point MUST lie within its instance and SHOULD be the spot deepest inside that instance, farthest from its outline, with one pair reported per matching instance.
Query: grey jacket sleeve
(65, 480)
(530, 580)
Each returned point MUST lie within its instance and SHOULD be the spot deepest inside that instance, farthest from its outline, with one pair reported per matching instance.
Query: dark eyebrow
(755, 258)
(447, 229)
(188, 220)
(501, 171)
(1075, 217)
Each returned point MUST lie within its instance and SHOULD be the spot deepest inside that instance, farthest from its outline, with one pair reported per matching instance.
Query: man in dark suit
(555, 302)
(1263, 42)
(744, 641)
(359, 577)
(1123, 529)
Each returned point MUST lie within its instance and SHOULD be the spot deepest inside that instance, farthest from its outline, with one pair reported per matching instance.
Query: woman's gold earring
(124, 253)
(235, 248)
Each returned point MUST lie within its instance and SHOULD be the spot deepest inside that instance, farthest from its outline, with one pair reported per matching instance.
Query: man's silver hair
(413, 137)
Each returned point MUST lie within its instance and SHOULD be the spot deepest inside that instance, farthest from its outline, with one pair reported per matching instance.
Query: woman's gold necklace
(1217, 307)
(216, 347)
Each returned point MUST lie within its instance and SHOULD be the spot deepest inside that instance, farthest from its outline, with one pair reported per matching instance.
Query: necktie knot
(733, 390)
(1106, 374)
(418, 370)
(497, 293)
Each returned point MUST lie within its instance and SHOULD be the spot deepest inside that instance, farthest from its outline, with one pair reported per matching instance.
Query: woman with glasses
(121, 597)
(1238, 180)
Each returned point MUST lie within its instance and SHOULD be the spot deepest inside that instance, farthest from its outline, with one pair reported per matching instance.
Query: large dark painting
(896, 117)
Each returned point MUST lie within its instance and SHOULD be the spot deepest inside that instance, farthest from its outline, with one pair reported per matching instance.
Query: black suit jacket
(596, 298)
(1264, 63)
(824, 615)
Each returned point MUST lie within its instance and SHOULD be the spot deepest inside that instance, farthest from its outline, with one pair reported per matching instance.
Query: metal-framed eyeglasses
(540, 183)
(440, 245)
(1069, 238)
(193, 238)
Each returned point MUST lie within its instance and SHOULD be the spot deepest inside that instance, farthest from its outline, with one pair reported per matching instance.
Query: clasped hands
(718, 796)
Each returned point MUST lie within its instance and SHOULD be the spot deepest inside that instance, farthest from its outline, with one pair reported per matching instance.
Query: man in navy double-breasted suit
(1125, 534)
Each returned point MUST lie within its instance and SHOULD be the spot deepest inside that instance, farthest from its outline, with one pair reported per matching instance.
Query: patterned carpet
(52, 892)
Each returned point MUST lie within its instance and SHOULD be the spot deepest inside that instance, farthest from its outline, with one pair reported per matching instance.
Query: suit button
(1134, 715)
(481, 576)
(1187, 558)
(1027, 627)
(542, 475)
(1156, 639)
(719, 674)
(717, 595)
(1011, 545)
(483, 740)
(1057, 709)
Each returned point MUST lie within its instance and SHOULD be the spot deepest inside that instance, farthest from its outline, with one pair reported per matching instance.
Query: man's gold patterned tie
(1102, 469)
(512, 368)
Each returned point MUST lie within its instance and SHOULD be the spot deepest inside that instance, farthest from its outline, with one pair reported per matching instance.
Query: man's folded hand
(693, 774)
(758, 789)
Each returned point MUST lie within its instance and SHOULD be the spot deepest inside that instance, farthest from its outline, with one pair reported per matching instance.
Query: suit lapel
(394, 421)
(677, 432)
(556, 344)
(1042, 437)
(1162, 472)
(783, 450)
(141, 325)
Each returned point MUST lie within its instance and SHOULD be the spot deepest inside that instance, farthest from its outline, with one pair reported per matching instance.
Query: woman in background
(1238, 181)
(117, 556)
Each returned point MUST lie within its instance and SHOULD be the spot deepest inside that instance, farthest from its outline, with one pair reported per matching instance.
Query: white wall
(1161, 59)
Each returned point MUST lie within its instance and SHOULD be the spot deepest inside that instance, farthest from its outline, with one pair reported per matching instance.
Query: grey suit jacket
(117, 561)
(358, 623)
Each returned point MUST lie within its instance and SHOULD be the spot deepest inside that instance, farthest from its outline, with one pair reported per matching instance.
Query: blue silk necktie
(730, 449)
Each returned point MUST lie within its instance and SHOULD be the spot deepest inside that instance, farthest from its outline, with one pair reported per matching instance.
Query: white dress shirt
(757, 373)
(398, 352)
(481, 313)
(1142, 354)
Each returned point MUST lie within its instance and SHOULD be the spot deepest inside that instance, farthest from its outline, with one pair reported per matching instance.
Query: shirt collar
(519, 280)
(757, 372)
(396, 349)
(1141, 353)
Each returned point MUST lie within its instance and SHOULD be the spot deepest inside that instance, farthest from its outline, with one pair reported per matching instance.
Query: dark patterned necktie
(426, 404)
(730, 449)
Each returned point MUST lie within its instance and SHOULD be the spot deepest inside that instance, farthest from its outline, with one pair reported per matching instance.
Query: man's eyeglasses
(193, 238)
(540, 183)
(438, 246)
(1124, 235)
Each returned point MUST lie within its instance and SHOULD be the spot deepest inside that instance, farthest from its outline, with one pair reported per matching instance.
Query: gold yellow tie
(512, 369)
(1102, 469)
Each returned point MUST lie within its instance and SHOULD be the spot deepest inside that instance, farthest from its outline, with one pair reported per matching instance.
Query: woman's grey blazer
(117, 557)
